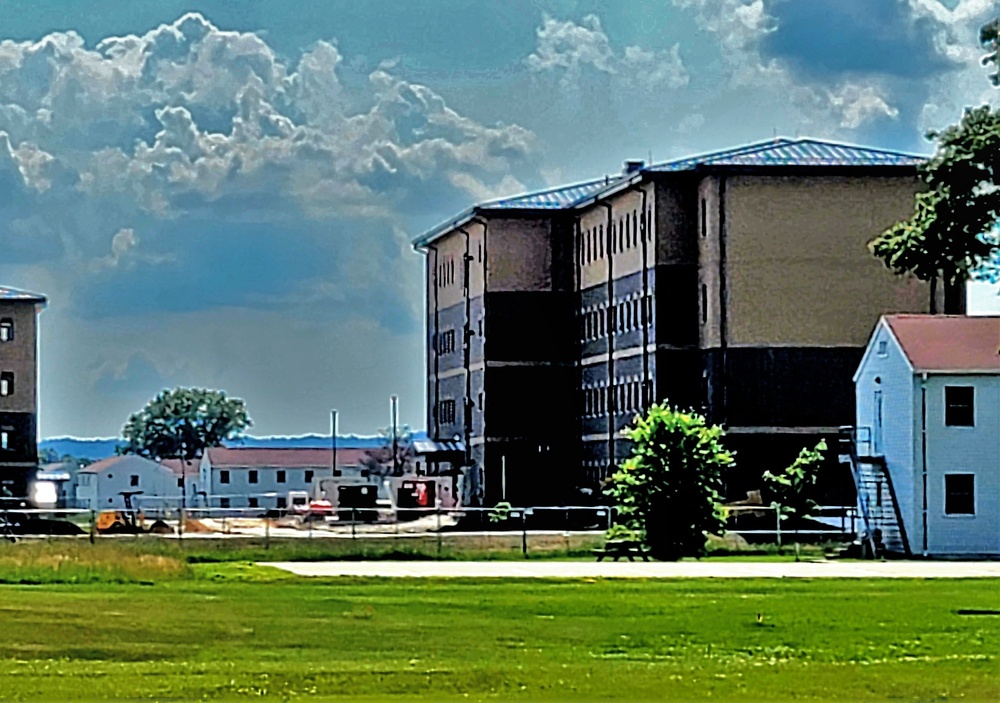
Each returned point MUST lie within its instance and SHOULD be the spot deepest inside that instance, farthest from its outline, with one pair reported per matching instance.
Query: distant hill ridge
(101, 448)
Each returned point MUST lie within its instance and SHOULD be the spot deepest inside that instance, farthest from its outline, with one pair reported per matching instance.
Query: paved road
(582, 569)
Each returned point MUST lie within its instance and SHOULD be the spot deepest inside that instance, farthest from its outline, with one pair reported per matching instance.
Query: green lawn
(238, 631)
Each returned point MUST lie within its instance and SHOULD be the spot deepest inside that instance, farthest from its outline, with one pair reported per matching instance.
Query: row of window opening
(621, 397)
(626, 234)
(602, 320)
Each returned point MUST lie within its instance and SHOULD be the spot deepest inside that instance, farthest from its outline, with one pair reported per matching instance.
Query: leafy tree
(668, 490)
(952, 234)
(791, 487)
(379, 461)
(989, 37)
(183, 423)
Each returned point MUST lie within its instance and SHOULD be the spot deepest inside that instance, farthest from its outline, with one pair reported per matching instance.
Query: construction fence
(569, 526)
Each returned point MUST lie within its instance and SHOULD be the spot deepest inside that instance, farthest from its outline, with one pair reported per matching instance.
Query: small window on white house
(883, 348)
(252, 476)
(223, 502)
(6, 330)
(7, 383)
(252, 502)
(133, 480)
(280, 476)
(224, 476)
(959, 406)
(959, 494)
(309, 476)
(180, 482)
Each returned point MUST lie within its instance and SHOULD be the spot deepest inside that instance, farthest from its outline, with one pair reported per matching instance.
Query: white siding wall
(973, 450)
(102, 491)
(239, 490)
(897, 385)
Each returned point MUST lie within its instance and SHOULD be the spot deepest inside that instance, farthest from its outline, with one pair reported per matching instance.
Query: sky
(221, 193)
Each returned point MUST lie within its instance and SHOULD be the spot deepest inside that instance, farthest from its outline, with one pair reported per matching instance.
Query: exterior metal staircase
(881, 524)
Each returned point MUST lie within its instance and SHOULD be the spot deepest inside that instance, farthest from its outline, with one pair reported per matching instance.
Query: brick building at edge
(18, 391)
(737, 282)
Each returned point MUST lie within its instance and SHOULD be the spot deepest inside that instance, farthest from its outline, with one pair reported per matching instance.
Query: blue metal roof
(559, 198)
(15, 294)
(792, 152)
(554, 198)
(777, 152)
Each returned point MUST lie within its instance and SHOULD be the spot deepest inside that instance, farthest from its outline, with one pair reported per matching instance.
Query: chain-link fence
(757, 524)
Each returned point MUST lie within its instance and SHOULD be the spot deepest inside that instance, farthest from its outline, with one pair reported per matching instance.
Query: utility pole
(395, 434)
(333, 442)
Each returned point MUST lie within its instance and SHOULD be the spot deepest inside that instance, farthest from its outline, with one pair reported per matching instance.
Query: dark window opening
(252, 502)
(959, 406)
(704, 304)
(704, 218)
(223, 502)
(280, 476)
(252, 476)
(224, 476)
(282, 501)
(959, 494)
(309, 476)
(133, 480)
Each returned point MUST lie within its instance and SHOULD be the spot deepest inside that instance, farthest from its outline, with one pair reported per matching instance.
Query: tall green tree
(183, 423)
(668, 490)
(952, 235)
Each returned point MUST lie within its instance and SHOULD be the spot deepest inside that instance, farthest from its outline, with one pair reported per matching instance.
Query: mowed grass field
(238, 631)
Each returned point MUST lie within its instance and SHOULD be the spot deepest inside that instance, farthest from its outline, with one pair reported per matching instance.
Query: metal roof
(15, 294)
(560, 198)
(792, 152)
(777, 152)
(553, 199)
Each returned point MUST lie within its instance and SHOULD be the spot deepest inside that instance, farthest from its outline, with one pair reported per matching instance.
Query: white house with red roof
(926, 455)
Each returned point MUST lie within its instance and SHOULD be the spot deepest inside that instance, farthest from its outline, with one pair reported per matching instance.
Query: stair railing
(848, 440)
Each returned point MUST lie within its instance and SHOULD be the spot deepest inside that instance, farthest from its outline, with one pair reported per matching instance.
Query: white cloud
(857, 105)
(234, 118)
(568, 48)
(740, 26)
(957, 37)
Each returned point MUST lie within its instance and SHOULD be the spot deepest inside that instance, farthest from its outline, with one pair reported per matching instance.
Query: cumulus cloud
(569, 49)
(192, 121)
(956, 35)
(741, 26)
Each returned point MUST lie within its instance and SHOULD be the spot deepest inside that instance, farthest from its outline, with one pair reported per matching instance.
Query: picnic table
(619, 548)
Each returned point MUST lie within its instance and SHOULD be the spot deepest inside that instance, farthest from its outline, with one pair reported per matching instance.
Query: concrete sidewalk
(662, 570)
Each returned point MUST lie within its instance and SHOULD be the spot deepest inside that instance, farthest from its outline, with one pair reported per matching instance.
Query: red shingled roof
(956, 343)
(242, 457)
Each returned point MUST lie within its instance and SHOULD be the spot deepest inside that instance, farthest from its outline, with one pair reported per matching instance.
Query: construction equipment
(120, 522)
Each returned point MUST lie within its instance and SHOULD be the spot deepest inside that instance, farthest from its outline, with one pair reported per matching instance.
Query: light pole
(333, 442)
(395, 433)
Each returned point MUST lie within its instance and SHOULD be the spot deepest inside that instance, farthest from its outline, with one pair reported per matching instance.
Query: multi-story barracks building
(737, 282)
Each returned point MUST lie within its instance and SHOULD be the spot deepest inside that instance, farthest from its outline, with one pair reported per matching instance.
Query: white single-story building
(926, 455)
